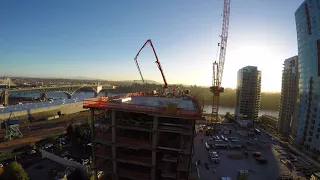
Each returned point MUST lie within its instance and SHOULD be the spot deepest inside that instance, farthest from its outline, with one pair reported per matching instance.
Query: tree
(70, 131)
(77, 132)
(14, 171)
(79, 175)
(227, 115)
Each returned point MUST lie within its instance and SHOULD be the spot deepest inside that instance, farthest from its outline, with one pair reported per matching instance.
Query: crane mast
(216, 88)
(157, 62)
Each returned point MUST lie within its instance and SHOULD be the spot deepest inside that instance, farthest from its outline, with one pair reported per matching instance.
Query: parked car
(32, 152)
(256, 154)
(214, 157)
(261, 160)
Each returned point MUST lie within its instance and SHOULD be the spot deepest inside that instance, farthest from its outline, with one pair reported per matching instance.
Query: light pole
(29, 134)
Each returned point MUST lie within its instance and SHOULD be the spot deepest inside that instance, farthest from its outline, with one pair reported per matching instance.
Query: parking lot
(229, 167)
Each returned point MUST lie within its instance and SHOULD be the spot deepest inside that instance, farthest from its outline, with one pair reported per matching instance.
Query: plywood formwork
(144, 140)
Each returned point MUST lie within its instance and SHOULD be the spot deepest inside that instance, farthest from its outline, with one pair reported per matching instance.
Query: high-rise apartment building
(306, 133)
(288, 95)
(248, 94)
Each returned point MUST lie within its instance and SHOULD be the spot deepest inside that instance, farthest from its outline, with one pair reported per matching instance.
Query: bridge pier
(43, 96)
(5, 97)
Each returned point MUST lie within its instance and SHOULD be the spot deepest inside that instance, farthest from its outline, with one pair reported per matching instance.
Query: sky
(99, 39)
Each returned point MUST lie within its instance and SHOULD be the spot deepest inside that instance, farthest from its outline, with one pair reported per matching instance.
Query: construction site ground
(40, 130)
(229, 167)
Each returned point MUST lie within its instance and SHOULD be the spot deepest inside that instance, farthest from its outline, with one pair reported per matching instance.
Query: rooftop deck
(184, 107)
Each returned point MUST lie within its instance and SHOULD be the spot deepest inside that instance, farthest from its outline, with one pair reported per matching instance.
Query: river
(223, 110)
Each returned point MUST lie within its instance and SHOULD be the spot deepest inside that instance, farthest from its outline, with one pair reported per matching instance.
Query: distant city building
(248, 94)
(307, 122)
(288, 95)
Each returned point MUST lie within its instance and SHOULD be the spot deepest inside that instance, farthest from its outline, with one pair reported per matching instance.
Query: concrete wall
(62, 161)
(46, 111)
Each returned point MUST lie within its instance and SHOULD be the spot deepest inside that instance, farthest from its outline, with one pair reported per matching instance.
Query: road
(28, 106)
(41, 130)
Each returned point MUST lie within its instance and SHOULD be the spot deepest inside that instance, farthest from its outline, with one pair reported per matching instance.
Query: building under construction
(143, 137)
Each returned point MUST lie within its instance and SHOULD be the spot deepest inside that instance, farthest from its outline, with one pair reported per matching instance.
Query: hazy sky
(99, 39)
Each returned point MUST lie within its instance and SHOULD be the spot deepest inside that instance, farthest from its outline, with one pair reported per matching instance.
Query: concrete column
(192, 147)
(94, 165)
(154, 147)
(114, 163)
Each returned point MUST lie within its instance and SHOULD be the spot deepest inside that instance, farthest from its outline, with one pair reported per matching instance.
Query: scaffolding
(12, 128)
(142, 142)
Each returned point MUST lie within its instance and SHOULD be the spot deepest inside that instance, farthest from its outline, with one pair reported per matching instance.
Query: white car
(32, 151)
(214, 157)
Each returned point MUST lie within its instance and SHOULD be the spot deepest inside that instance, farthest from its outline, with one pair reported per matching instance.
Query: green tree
(77, 132)
(70, 133)
(80, 175)
(14, 171)
(227, 115)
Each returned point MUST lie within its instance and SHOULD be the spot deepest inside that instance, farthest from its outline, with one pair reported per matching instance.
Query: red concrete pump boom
(157, 61)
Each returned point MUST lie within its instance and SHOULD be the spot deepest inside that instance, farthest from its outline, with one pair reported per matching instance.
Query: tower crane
(216, 88)
(165, 86)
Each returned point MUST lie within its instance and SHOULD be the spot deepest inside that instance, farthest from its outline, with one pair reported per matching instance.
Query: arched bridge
(68, 90)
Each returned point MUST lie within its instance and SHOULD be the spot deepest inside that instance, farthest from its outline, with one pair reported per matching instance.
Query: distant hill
(140, 81)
